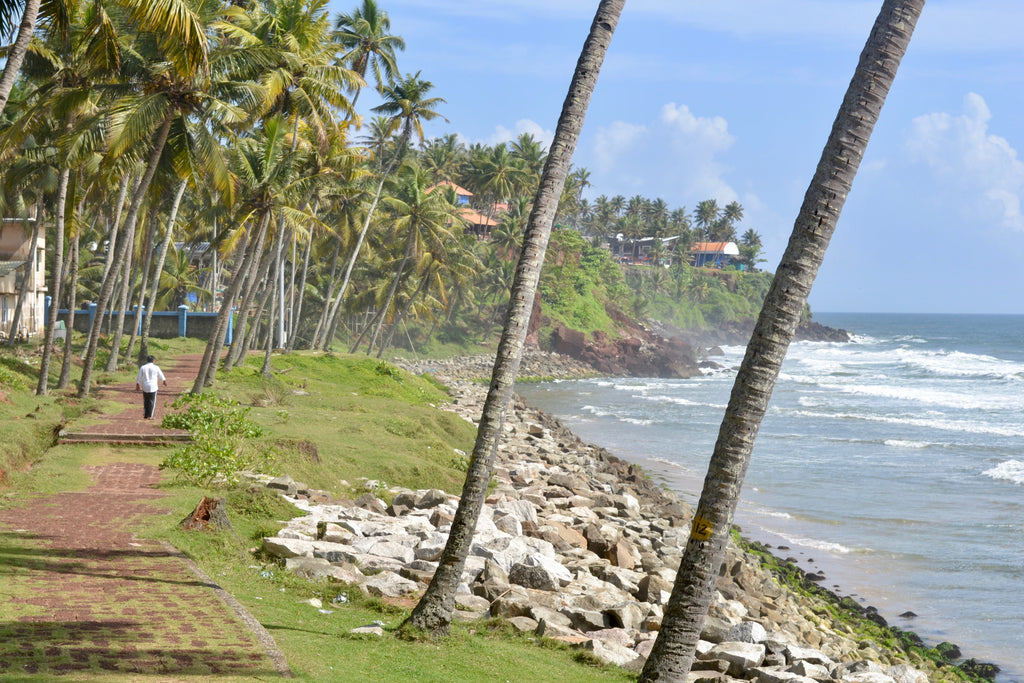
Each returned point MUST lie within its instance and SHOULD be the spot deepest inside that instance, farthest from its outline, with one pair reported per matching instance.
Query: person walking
(148, 381)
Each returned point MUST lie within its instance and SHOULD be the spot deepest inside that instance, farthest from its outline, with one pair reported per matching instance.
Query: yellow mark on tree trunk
(701, 529)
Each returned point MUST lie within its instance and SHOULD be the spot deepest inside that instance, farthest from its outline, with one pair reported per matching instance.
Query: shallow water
(894, 463)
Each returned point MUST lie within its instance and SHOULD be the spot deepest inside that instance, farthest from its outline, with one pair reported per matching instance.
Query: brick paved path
(91, 597)
(128, 426)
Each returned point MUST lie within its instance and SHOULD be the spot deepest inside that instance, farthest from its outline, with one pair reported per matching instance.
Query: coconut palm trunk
(674, 650)
(122, 247)
(147, 264)
(297, 315)
(59, 274)
(17, 51)
(433, 613)
(123, 295)
(248, 252)
(332, 324)
(161, 258)
(247, 329)
(65, 366)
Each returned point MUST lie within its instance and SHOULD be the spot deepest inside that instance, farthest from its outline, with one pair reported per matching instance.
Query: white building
(15, 256)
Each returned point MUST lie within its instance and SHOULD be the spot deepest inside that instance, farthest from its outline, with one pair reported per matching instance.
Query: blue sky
(734, 101)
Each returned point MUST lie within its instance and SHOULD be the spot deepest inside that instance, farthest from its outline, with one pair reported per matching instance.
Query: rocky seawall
(579, 545)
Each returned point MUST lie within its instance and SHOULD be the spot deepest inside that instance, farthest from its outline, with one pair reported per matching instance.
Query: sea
(893, 464)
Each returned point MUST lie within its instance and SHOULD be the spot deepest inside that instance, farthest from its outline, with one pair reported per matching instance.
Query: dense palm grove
(211, 154)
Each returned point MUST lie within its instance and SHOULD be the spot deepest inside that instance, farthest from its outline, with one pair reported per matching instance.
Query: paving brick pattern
(91, 597)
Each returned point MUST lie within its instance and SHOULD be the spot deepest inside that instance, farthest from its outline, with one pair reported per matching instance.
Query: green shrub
(223, 440)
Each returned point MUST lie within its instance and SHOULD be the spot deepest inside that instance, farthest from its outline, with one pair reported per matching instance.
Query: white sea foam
(969, 426)
(1011, 470)
(676, 400)
(926, 395)
(961, 364)
(670, 463)
(827, 546)
(905, 443)
(601, 412)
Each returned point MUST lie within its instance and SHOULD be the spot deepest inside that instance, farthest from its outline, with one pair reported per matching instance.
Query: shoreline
(551, 366)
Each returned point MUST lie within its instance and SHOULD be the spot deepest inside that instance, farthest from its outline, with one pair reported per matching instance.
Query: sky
(734, 100)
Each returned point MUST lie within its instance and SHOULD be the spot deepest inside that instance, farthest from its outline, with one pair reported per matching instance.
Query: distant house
(713, 254)
(638, 250)
(476, 222)
(15, 253)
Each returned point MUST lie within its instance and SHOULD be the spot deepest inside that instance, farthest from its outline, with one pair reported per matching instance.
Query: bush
(222, 440)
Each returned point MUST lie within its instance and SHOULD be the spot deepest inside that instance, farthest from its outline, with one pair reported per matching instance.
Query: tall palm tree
(265, 166)
(704, 218)
(419, 221)
(443, 157)
(433, 613)
(173, 23)
(366, 44)
(675, 648)
(407, 106)
(170, 85)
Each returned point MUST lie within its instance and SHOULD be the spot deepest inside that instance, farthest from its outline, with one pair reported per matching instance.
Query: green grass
(339, 417)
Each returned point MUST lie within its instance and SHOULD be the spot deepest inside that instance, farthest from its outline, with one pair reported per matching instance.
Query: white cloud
(503, 134)
(980, 170)
(675, 156)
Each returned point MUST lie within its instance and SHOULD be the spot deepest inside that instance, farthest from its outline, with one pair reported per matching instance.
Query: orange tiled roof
(477, 218)
(709, 247)
(458, 189)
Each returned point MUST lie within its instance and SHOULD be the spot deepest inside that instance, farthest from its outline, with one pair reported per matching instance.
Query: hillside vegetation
(581, 282)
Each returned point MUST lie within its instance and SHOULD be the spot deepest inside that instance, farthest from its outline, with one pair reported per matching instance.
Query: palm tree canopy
(407, 106)
(363, 36)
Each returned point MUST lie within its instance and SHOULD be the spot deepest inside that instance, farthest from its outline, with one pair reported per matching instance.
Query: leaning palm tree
(675, 648)
(420, 219)
(407, 107)
(170, 84)
(434, 611)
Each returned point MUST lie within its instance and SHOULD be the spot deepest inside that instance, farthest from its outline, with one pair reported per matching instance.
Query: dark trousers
(148, 403)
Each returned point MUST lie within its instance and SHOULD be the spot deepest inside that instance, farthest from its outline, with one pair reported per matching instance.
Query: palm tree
(434, 611)
(171, 85)
(443, 157)
(407, 107)
(531, 153)
(363, 36)
(675, 648)
(419, 220)
(704, 218)
(173, 23)
(265, 166)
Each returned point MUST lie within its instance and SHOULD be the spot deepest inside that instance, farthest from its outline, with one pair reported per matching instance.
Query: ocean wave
(905, 443)
(971, 427)
(1011, 470)
(814, 543)
(676, 400)
(925, 395)
(670, 463)
(601, 412)
(962, 364)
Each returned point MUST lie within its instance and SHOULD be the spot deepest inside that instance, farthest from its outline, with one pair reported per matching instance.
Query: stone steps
(170, 438)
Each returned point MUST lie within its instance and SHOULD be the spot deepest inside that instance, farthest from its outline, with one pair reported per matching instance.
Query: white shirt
(150, 376)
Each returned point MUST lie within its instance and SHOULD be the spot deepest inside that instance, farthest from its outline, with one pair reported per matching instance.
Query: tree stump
(210, 513)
